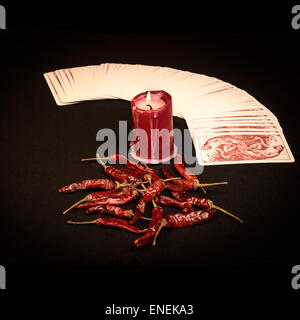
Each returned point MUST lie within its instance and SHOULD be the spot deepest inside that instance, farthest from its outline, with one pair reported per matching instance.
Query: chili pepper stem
(226, 212)
(153, 202)
(144, 186)
(135, 193)
(90, 159)
(210, 184)
(170, 179)
(148, 178)
(119, 185)
(87, 198)
(204, 191)
(125, 184)
(138, 190)
(162, 224)
(145, 218)
(102, 163)
(82, 222)
(145, 165)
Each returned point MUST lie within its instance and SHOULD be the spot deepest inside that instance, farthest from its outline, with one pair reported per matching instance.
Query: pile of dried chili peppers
(123, 185)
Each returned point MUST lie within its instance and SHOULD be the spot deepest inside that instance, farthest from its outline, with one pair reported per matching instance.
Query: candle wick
(148, 105)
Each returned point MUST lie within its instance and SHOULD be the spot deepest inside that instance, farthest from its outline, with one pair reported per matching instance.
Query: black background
(252, 47)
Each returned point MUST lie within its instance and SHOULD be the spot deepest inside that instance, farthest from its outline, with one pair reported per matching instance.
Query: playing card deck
(228, 125)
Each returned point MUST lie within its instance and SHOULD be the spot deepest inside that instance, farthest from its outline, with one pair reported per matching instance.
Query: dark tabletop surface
(42, 144)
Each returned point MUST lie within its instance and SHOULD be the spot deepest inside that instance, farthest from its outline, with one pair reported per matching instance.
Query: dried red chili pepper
(112, 222)
(201, 202)
(119, 175)
(135, 173)
(114, 210)
(118, 200)
(121, 196)
(129, 164)
(167, 174)
(108, 194)
(180, 167)
(134, 166)
(106, 184)
(116, 158)
(179, 185)
(152, 228)
(180, 220)
(170, 202)
(147, 175)
(197, 201)
(183, 184)
(153, 190)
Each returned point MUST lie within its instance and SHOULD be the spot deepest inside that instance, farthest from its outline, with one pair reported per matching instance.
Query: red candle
(153, 127)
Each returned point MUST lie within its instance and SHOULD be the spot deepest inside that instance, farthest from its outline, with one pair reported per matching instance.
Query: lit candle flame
(148, 98)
